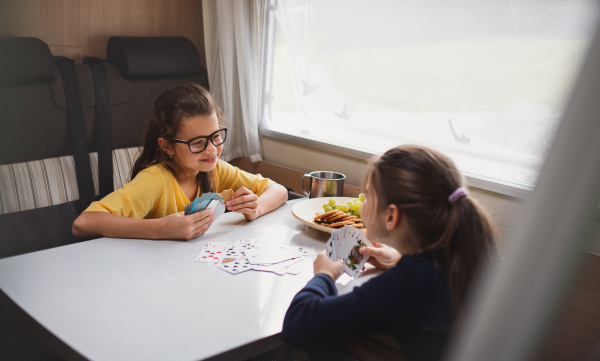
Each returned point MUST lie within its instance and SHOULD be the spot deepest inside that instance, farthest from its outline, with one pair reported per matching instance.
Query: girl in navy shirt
(431, 239)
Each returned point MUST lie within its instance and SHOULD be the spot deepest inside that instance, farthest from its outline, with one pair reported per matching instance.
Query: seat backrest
(145, 66)
(38, 189)
(38, 183)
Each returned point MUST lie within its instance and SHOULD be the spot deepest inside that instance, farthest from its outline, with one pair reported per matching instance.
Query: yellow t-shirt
(155, 193)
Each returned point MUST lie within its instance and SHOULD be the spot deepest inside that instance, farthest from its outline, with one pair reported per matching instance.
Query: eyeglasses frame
(207, 137)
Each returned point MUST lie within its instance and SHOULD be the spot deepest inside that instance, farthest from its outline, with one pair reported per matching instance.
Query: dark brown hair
(419, 181)
(173, 106)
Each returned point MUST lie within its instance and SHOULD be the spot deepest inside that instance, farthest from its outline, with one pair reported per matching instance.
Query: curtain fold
(234, 41)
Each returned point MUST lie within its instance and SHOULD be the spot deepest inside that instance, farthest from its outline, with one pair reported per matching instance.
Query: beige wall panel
(78, 28)
(500, 207)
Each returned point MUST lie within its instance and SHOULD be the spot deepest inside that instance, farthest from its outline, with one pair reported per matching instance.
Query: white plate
(306, 211)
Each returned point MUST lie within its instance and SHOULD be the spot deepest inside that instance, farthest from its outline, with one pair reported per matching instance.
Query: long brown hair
(173, 106)
(419, 180)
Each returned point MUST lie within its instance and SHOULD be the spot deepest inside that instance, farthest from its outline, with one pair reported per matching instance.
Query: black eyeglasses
(199, 144)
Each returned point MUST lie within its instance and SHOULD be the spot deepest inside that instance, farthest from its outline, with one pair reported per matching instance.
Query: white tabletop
(128, 299)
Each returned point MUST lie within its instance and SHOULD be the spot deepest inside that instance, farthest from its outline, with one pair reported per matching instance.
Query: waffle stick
(337, 219)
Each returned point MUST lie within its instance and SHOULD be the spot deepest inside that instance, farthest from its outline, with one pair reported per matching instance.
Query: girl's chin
(207, 166)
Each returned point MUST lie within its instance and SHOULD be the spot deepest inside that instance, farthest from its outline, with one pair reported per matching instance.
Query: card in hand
(353, 260)
(344, 244)
(210, 200)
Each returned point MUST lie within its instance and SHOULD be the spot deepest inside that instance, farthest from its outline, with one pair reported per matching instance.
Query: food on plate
(338, 219)
(351, 207)
(227, 195)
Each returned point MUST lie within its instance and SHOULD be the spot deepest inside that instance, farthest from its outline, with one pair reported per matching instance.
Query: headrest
(25, 60)
(141, 57)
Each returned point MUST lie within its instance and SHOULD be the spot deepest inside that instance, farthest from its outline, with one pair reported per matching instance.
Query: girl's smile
(209, 160)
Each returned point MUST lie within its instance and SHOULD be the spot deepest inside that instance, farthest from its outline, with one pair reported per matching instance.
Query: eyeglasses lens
(217, 138)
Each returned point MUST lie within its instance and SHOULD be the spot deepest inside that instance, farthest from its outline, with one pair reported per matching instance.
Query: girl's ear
(393, 217)
(165, 145)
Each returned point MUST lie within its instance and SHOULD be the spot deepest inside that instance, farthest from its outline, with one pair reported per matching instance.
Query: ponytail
(468, 243)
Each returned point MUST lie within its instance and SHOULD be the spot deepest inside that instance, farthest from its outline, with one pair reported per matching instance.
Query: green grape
(345, 207)
(328, 209)
(357, 212)
(349, 203)
(338, 206)
(362, 197)
(332, 202)
(356, 205)
(325, 206)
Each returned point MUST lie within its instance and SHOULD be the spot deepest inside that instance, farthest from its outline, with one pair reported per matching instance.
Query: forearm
(101, 224)
(272, 198)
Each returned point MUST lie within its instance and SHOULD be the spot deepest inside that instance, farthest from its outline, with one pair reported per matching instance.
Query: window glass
(483, 81)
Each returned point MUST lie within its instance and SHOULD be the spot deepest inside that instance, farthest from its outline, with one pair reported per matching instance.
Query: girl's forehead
(198, 125)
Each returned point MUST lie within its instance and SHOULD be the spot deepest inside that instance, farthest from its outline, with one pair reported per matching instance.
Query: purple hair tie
(459, 192)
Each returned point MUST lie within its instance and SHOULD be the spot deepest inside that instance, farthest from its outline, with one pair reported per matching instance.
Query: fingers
(244, 201)
(323, 264)
(202, 215)
(372, 251)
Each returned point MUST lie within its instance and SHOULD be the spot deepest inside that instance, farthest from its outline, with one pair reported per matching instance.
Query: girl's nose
(209, 146)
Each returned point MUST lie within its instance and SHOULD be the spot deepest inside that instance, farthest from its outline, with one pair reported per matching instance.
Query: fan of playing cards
(208, 200)
(344, 244)
(256, 254)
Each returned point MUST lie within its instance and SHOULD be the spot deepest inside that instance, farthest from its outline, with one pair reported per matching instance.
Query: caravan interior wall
(80, 28)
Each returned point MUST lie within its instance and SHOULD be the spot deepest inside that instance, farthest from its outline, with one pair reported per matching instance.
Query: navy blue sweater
(410, 302)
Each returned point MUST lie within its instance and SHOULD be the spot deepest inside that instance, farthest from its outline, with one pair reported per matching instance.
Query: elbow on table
(80, 227)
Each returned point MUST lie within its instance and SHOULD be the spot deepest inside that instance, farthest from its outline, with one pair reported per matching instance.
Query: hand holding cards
(208, 200)
(344, 244)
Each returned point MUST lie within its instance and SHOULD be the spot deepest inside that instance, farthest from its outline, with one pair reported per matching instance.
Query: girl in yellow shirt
(180, 161)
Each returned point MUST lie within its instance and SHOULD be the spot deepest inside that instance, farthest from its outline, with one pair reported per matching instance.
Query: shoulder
(420, 264)
(154, 173)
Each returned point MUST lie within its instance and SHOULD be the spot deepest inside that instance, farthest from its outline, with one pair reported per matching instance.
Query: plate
(306, 210)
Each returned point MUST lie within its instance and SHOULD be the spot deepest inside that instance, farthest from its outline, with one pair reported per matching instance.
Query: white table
(127, 299)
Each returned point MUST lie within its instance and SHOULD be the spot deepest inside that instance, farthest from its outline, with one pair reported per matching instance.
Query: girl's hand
(331, 268)
(245, 202)
(382, 256)
(180, 226)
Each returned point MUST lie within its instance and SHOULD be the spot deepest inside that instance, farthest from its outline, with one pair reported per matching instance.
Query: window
(482, 81)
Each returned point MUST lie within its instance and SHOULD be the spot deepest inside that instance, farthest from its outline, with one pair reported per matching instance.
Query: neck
(403, 240)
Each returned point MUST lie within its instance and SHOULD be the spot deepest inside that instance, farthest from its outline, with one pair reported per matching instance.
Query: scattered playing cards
(255, 254)
(344, 244)
(208, 200)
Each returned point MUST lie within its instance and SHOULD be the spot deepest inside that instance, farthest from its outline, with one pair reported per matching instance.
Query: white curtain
(234, 37)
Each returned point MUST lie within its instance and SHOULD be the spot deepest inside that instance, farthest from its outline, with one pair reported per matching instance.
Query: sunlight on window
(483, 81)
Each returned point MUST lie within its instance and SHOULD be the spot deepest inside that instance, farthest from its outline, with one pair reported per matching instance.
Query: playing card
(349, 238)
(329, 248)
(234, 266)
(297, 267)
(212, 252)
(270, 255)
(277, 267)
(217, 207)
(332, 244)
(245, 244)
(210, 200)
(353, 260)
